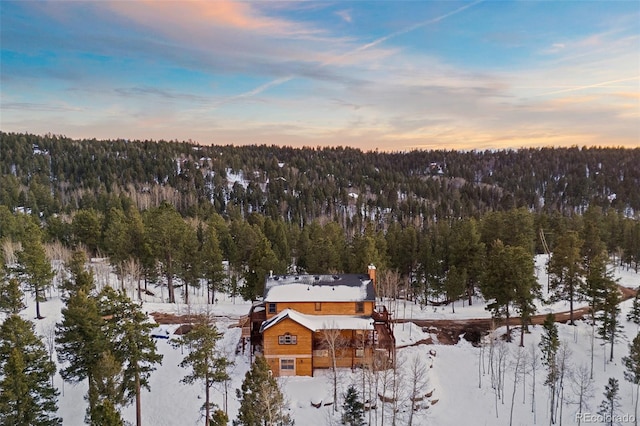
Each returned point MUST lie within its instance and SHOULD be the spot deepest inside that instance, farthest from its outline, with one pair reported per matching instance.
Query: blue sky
(382, 75)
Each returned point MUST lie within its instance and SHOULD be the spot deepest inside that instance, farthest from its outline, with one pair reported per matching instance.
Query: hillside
(460, 391)
(51, 174)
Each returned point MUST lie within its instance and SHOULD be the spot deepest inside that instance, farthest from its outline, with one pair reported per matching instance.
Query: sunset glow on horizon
(393, 76)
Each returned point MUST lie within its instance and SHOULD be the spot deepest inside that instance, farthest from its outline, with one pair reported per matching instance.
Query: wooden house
(305, 321)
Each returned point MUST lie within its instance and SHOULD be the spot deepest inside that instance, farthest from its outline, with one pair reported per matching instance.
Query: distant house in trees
(304, 320)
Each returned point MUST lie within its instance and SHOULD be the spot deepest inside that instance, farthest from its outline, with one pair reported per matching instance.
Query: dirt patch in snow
(450, 331)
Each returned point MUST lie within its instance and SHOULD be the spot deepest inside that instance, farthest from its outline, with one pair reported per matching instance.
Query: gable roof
(319, 288)
(320, 322)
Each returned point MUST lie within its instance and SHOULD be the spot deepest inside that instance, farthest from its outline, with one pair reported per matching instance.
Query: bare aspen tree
(333, 341)
(419, 378)
(535, 365)
(386, 378)
(398, 378)
(517, 365)
(503, 355)
(133, 270)
(525, 372)
(582, 388)
(59, 255)
(564, 368)
(10, 251)
(388, 284)
(480, 363)
(49, 332)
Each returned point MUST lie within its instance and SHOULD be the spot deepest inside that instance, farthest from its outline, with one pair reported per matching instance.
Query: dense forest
(439, 225)
(177, 209)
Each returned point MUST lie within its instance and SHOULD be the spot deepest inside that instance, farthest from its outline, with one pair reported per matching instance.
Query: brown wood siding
(303, 367)
(303, 336)
(345, 359)
(328, 308)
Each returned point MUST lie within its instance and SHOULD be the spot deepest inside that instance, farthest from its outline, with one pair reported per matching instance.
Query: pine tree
(632, 365)
(81, 278)
(34, 269)
(611, 403)
(211, 256)
(80, 341)
(261, 400)
(352, 408)
(634, 313)
(128, 331)
(165, 232)
(549, 345)
(566, 270)
(27, 397)
(594, 290)
(609, 328)
(105, 389)
(204, 359)
(454, 284)
(11, 297)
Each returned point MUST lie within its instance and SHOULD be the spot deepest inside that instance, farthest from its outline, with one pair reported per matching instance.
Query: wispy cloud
(590, 86)
(31, 106)
(361, 48)
(345, 15)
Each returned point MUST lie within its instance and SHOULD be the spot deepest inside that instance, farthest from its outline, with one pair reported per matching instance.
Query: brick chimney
(372, 275)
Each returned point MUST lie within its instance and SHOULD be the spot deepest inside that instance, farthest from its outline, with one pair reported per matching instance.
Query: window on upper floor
(359, 307)
(318, 306)
(272, 308)
(288, 339)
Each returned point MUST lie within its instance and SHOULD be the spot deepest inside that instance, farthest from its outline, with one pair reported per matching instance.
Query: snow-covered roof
(319, 288)
(321, 322)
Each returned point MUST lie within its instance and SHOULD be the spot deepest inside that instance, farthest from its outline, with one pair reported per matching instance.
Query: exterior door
(287, 366)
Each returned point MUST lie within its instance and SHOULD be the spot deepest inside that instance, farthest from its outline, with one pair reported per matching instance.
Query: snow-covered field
(453, 377)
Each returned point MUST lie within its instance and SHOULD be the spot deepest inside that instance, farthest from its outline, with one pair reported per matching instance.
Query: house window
(288, 364)
(272, 308)
(359, 307)
(288, 339)
(318, 306)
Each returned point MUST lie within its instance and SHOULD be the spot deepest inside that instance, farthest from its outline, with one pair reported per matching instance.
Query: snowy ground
(462, 393)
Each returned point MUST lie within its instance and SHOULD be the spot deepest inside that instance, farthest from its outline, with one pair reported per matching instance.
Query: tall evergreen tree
(262, 261)
(104, 392)
(611, 403)
(594, 291)
(117, 240)
(566, 270)
(634, 313)
(467, 253)
(11, 297)
(261, 400)
(509, 280)
(549, 345)
(631, 364)
(27, 397)
(81, 277)
(204, 359)
(81, 341)
(128, 331)
(211, 255)
(34, 269)
(455, 284)
(610, 327)
(166, 231)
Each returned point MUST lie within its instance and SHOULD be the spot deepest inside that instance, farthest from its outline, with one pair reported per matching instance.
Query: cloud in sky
(430, 74)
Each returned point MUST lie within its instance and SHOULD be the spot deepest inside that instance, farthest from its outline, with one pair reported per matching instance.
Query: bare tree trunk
(207, 409)
(516, 372)
(138, 401)
(333, 341)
